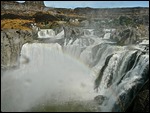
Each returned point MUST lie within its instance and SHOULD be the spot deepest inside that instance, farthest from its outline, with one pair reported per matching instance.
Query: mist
(48, 76)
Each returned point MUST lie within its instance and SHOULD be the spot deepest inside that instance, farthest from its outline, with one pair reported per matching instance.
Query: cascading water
(51, 74)
(48, 75)
(120, 70)
(46, 33)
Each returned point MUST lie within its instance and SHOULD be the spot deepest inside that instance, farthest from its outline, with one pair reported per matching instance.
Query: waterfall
(59, 73)
(120, 70)
(46, 33)
(50, 33)
(48, 75)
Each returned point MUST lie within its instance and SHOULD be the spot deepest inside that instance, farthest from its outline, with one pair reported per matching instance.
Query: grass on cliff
(15, 24)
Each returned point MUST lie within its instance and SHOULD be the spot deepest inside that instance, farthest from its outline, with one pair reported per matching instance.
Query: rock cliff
(27, 5)
(131, 26)
(11, 44)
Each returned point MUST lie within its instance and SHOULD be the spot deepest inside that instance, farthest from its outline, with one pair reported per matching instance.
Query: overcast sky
(96, 4)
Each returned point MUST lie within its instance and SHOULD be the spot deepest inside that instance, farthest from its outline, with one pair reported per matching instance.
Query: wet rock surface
(100, 99)
(141, 101)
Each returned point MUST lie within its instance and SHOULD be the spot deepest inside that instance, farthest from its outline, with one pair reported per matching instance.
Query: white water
(49, 75)
(50, 33)
(50, 72)
(107, 36)
(146, 42)
(46, 33)
(119, 68)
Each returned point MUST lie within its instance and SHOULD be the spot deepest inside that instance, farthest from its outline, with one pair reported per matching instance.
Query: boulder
(56, 27)
(100, 99)
(141, 101)
(125, 36)
(72, 33)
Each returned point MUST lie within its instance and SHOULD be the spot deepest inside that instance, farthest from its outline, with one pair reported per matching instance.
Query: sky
(96, 4)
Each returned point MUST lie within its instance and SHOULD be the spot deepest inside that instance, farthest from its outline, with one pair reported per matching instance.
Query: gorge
(63, 66)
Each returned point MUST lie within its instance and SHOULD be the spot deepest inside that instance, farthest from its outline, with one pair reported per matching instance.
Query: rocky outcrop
(35, 3)
(56, 27)
(27, 5)
(125, 36)
(11, 44)
(42, 17)
(100, 99)
(72, 33)
(141, 101)
(111, 12)
(138, 14)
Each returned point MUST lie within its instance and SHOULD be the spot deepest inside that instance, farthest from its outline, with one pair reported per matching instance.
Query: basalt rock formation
(35, 3)
(138, 14)
(124, 26)
(11, 44)
(27, 5)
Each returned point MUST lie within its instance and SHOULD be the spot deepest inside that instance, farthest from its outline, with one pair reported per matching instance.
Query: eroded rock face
(27, 5)
(11, 44)
(111, 12)
(100, 99)
(72, 33)
(125, 36)
(37, 3)
(141, 101)
(56, 27)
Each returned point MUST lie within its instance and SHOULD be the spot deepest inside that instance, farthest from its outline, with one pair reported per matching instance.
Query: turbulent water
(75, 72)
